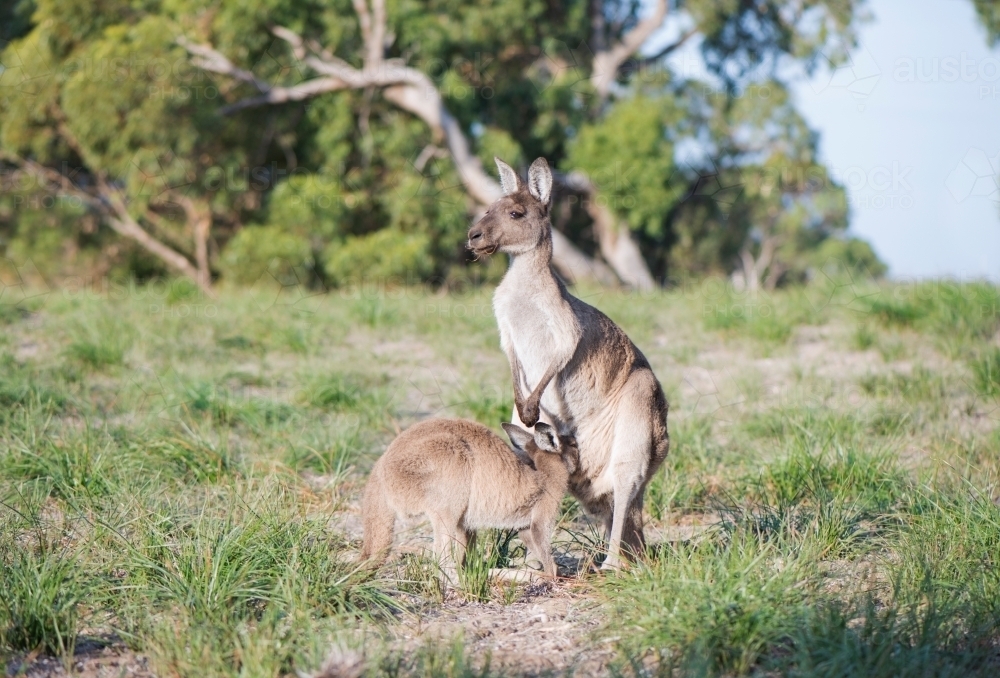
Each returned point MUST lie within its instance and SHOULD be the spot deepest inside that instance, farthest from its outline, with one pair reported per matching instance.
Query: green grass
(44, 587)
(188, 484)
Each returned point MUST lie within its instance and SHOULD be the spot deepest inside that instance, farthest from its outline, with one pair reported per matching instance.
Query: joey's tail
(379, 520)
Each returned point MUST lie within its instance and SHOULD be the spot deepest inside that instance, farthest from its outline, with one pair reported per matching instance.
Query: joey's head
(543, 447)
(519, 221)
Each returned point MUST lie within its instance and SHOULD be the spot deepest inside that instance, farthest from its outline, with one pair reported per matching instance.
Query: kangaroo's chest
(533, 330)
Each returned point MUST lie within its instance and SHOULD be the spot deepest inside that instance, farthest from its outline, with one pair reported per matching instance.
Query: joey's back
(461, 464)
(464, 478)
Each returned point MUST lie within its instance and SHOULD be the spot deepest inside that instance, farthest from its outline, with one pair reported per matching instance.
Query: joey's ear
(509, 180)
(518, 436)
(546, 438)
(571, 460)
(540, 180)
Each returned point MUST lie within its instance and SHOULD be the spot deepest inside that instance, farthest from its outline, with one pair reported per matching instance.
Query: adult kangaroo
(603, 390)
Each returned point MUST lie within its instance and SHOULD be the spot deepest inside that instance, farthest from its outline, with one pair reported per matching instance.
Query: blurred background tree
(332, 141)
(988, 12)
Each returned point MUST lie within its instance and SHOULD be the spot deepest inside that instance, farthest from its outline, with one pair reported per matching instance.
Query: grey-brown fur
(603, 390)
(465, 478)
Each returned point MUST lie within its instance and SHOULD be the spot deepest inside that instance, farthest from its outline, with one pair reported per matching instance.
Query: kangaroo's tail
(379, 520)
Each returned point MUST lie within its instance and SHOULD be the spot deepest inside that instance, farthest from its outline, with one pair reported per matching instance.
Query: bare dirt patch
(106, 658)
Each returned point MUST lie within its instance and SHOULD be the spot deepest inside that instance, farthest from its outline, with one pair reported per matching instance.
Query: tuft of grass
(864, 337)
(375, 312)
(181, 289)
(759, 321)
(490, 550)
(986, 372)
(22, 385)
(237, 342)
(74, 465)
(206, 400)
(204, 588)
(100, 342)
(190, 458)
(690, 474)
(348, 393)
(433, 660)
(920, 385)
(712, 609)
(333, 453)
(863, 638)
(893, 312)
(43, 587)
(956, 313)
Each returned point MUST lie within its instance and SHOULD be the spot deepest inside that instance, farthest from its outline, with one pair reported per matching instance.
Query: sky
(911, 126)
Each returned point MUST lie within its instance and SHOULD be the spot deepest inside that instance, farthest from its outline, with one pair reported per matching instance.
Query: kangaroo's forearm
(530, 411)
(517, 375)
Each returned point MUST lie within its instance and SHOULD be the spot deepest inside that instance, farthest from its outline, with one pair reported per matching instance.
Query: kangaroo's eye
(516, 215)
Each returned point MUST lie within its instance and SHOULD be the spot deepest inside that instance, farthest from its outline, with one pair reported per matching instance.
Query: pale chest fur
(536, 324)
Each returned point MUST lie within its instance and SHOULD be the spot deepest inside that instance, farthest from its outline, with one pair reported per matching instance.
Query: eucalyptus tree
(333, 139)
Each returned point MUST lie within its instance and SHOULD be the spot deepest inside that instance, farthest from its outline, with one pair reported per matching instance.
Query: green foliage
(386, 256)
(629, 157)
(349, 185)
(266, 250)
(989, 16)
(837, 255)
(497, 143)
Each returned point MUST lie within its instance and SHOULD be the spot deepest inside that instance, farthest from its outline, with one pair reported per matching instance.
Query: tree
(369, 116)
(989, 15)
(120, 133)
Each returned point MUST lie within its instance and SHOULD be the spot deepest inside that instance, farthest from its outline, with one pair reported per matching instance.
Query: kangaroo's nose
(475, 234)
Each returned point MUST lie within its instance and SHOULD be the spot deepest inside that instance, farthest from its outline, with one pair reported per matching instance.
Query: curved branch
(607, 62)
(108, 202)
(618, 247)
(647, 61)
(413, 91)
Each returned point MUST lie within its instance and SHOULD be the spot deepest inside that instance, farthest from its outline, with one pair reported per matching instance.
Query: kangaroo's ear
(509, 180)
(546, 438)
(518, 436)
(540, 180)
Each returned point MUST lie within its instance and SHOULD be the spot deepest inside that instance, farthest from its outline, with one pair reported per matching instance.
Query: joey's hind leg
(449, 546)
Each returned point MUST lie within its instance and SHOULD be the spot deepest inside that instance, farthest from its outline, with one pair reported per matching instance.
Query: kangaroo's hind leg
(630, 465)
